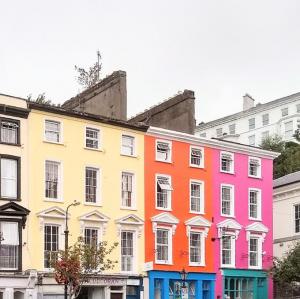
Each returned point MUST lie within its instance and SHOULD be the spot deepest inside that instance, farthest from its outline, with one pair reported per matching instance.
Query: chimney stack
(248, 102)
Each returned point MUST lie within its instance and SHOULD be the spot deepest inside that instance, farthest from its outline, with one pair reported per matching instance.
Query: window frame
(98, 186)
(259, 204)
(284, 111)
(99, 139)
(134, 250)
(294, 219)
(18, 191)
(230, 131)
(99, 233)
(231, 171)
(233, 251)
(201, 165)
(251, 123)
(134, 154)
(202, 199)
(20, 256)
(232, 200)
(259, 251)
(169, 142)
(60, 181)
(60, 131)
(219, 130)
(259, 171)
(285, 131)
(265, 119)
(3, 119)
(170, 246)
(202, 248)
(251, 136)
(133, 195)
(169, 199)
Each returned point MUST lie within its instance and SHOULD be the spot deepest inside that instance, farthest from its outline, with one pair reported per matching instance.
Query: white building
(286, 212)
(254, 123)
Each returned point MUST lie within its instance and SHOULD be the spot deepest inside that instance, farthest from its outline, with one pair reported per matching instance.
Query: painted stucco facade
(261, 228)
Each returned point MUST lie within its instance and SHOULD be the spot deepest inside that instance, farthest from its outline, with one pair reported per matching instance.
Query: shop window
(158, 284)
(238, 288)
(18, 295)
(206, 290)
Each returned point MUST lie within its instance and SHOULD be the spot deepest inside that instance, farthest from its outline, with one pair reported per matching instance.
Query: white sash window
(9, 178)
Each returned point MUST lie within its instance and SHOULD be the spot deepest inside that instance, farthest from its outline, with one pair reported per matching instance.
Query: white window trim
(134, 144)
(61, 136)
(170, 246)
(294, 219)
(232, 202)
(61, 228)
(233, 243)
(170, 146)
(259, 204)
(232, 162)
(250, 129)
(93, 226)
(202, 159)
(100, 138)
(169, 208)
(259, 169)
(134, 184)
(99, 189)
(259, 252)
(60, 197)
(202, 199)
(135, 250)
(202, 249)
(284, 109)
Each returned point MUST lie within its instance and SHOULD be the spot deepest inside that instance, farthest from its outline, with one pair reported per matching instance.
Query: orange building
(178, 215)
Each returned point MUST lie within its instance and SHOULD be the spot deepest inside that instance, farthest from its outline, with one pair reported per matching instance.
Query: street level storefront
(170, 285)
(245, 284)
(97, 287)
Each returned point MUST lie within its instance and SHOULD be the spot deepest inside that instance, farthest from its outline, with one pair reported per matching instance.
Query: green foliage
(41, 99)
(76, 265)
(287, 270)
(88, 78)
(288, 161)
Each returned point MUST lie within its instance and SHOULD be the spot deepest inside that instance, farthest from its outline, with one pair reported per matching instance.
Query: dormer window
(163, 151)
(227, 162)
(254, 167)
(196, 157)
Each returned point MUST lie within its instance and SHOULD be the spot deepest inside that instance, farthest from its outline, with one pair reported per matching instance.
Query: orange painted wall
(181, 173)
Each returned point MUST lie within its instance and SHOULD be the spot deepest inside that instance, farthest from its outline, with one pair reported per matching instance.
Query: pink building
(243, 222)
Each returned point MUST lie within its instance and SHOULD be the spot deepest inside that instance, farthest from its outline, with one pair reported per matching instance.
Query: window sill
(53, 200)
(228, 216)
(197, 265)
(255, 219)
(227, 172)
(131, 156)
(53, 142)
(10, 199)
(162, 209)
(163, 263)
(195, 212)
(228, 266)
(13, 144)
(128, 208)
(93, 149)
(164, 161)
(254, 177)
(254, 267)
(196, 166)
(94, 204)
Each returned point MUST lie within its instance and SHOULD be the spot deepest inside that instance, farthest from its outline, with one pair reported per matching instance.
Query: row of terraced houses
(192, 216)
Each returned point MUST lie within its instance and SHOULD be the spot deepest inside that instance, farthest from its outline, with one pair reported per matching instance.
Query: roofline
(251, 111)
(286, 184)
(83, 115)
(218, 144)
(15, 97)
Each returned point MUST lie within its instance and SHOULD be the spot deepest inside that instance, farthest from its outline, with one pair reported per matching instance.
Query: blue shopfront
(245, 284)
(171, 285)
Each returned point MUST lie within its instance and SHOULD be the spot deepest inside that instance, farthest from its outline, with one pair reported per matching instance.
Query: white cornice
(217, 144)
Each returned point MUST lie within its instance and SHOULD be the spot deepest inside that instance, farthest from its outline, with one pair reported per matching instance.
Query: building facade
(14, 201)
(253, 124)
(286, 209)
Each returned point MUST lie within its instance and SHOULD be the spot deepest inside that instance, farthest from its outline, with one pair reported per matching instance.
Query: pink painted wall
(242, 183)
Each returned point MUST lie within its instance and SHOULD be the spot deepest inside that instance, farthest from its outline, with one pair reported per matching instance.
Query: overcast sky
(221, 49)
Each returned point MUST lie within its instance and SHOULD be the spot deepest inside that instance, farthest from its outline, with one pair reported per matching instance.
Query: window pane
(226, 200)
(127, 251)
(52, 176)
(195, 247)
(92, 138)
(127, 145)
(9, 132)
(226, 250)
(297, 218)
(196, 156)
(51, 244)
(195, 197)
(9, 178)
(288, 128)
(127, 179)
(162, 244)
(91, 175)
(251, 123)
(52, 131)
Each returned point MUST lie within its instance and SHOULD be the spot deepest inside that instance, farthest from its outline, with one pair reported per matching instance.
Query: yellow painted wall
(74, 157)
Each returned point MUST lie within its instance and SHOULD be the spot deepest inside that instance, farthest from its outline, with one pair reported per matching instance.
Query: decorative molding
(164, 218)
(256, 228)
(199, 222)
(130, 220)
(51, 213)
(93, 216)
(229, 227)
(14, 210)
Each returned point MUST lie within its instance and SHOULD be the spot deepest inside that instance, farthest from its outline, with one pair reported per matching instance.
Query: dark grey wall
(106, 98)
(177, 113)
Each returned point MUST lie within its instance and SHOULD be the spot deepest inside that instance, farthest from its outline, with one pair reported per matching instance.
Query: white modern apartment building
(256, 122)
(286, 213)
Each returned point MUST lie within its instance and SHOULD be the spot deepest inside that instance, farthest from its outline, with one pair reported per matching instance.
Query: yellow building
(98, 162)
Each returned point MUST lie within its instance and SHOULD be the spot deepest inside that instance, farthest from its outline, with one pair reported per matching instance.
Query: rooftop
(287, 180)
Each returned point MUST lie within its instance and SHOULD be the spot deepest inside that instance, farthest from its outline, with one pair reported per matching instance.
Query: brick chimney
(248, 102)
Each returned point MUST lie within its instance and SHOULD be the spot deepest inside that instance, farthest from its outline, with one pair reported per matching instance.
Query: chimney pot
(248, 102)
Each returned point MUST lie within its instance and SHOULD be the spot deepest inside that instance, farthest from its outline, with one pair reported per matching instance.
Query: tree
(286, 271)
(41, 99)
(91, 76)
(288, 161)
(76, 265)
